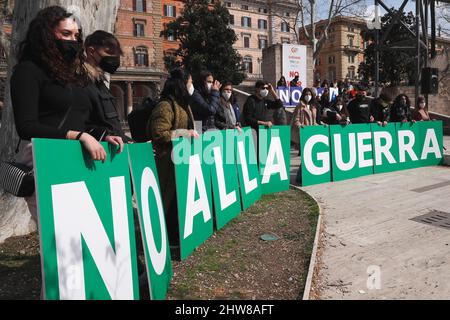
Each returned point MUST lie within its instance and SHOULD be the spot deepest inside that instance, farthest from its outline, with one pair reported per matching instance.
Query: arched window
(248, 64)
(141, 57)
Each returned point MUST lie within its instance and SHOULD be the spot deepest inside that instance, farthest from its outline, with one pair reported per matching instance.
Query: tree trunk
(94, 14)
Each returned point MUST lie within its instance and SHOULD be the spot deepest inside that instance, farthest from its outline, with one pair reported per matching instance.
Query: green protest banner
(151, 218)
(409, 145)
(247, 168)
(385, 147)
(193, 183)
(432, 146)
(315, 155)
(219, 154)
(274, 158)
(86, 223)
(351, 147)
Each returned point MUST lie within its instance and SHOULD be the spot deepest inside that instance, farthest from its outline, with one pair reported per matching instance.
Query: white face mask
(226, 95)
(264, 93)
(308, 98)
(209, 86)
(190, 89)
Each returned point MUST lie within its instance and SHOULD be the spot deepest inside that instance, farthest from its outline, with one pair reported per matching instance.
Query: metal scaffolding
(425, 16)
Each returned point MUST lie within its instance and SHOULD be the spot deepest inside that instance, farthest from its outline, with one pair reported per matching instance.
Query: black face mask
(110, 64)
(69, 49)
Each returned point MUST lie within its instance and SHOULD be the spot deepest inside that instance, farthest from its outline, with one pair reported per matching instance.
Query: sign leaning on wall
(86, 223)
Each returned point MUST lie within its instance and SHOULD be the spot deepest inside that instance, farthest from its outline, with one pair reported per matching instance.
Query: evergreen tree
(396, 66)
(206, 42)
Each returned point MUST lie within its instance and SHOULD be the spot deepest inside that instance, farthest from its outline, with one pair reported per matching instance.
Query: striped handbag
(17, 179)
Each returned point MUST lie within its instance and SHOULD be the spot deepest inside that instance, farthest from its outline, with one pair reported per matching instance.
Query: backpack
(138, 119)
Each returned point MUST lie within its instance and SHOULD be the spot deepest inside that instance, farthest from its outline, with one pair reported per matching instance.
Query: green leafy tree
(206, 42)
(396, 66)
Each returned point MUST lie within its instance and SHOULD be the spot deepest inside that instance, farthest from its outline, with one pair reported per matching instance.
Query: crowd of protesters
(67, 97)
(352, 104)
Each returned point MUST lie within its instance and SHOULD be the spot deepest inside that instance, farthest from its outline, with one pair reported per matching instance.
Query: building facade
(138, 28)
(171, 9)
(342, 53)
(259, 24)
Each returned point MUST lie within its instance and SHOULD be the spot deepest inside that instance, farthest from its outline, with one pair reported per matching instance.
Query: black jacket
(103, 111)
(255, 109)
(204, 110)
(40, 104)
(329, 115)
(359, 110)
(380, 110)
(400, 113)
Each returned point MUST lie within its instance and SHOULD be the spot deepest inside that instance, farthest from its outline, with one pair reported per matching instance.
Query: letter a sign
(86, 224)
(193, 182)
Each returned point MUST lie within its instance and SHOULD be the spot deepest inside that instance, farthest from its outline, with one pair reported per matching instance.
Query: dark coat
(400, 113)
(359, 110)
(380, 110)
(329, 115)
(103, 112)
(255, 109)
(205, 109)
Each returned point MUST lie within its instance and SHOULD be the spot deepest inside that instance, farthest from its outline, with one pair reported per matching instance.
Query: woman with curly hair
(401, 109)
(47, 87)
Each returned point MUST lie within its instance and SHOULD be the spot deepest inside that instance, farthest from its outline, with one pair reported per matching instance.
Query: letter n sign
(86, 226)
(315, 155)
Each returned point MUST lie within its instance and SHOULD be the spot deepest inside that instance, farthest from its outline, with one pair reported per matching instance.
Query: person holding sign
(359, 109)
(103, 53)
(257, 105)
(205, 101)
(48, 92)
(171, 118)
(380, 108)
(228, 115)
(336, 113)
(421, 113)
(305, 114)
(401, 109)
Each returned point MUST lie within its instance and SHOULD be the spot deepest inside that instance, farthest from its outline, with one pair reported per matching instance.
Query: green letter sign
(86, 223)
(151, 218)
(221, 158)
(193, 184)
(315, 150)
(274, 158)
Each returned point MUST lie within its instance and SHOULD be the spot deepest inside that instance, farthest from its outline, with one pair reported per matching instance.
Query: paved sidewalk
(368, 228)
(367, 225)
